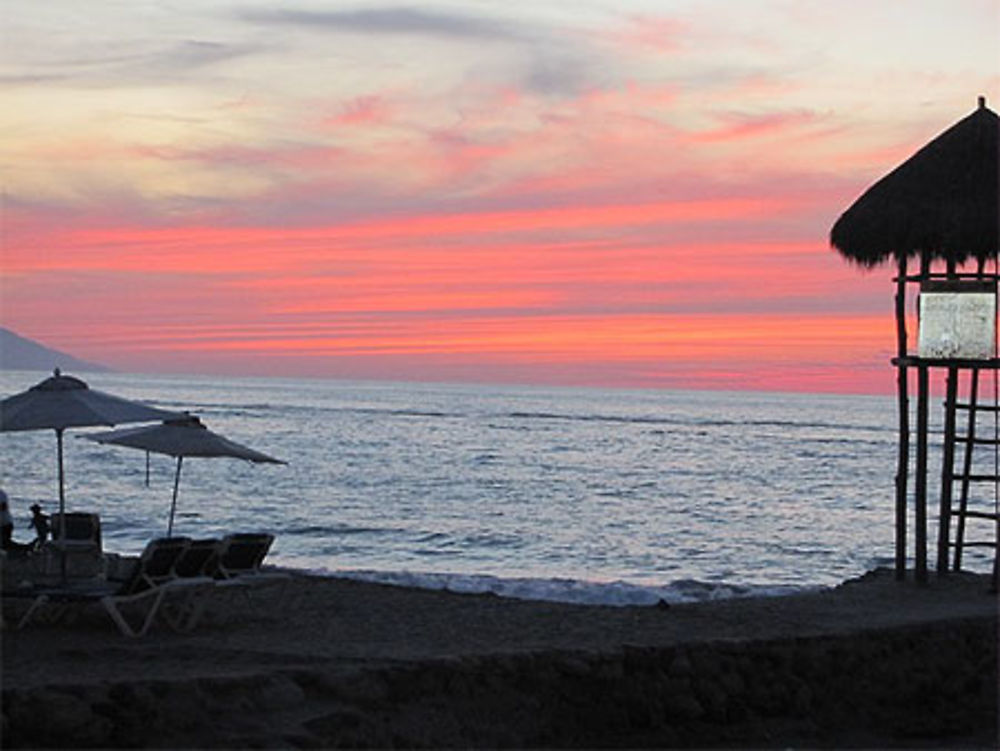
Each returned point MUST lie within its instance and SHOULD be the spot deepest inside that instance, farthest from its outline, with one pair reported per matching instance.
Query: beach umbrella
(185, 436)
(62, 401)
(941, 203)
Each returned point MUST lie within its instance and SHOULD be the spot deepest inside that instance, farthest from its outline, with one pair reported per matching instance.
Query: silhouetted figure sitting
(6, 524)
(41, 524)
(7, 529)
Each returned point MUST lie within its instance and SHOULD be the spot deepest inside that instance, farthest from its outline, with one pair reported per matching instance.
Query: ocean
(581, 495)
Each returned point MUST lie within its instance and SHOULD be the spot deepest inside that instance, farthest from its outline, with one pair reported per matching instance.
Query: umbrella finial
(982, 102)
(56, 372)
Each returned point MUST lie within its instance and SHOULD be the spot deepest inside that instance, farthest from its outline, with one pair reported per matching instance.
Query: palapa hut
(940, 207)
(941, 203)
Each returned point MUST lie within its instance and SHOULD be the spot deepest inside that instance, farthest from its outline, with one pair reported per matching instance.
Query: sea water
(585, 495)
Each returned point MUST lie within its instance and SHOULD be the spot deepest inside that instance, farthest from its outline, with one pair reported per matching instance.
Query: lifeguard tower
(936, 217)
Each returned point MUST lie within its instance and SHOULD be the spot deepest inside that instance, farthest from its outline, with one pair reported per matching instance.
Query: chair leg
(188, 615)
(183, 611)
(232, 590)
(36, 604)
(114, 607)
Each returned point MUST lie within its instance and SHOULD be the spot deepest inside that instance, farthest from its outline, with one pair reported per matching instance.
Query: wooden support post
(947, 470)
(920, 503)
(963, 502)
(903, 460)
(920, 481)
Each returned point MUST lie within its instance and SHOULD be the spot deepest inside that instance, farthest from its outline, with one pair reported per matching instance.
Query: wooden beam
(992, 363)
(947, 471)
(903, 459)
(920, 483)
(920, 501)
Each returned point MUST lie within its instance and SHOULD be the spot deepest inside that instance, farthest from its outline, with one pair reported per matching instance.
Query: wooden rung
(984, 277)
(947, 362)
(976, 478)
(977, 407)
(977, 440)
(974, 544)
(976, 514)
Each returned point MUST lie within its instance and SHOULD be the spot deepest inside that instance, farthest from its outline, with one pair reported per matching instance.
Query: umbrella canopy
(941, 203)
(186, 436)
(61, 402)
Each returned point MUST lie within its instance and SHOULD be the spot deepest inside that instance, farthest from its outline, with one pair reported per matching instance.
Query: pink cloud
(738, 126)
(593, 235)
(370, 109)
(648, 33)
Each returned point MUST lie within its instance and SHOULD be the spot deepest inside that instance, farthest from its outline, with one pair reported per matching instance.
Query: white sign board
(957, 325)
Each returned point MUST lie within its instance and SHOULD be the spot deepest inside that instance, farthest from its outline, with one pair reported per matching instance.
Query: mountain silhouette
(19, 353)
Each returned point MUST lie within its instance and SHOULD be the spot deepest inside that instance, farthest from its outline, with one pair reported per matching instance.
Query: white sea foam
(615, 593)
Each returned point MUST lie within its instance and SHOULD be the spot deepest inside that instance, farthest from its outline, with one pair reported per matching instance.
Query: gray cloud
(549, 60)
(31, 79)
(125, 61)
(560, 73)
(193, 53)
(181, 53)
(397, 20)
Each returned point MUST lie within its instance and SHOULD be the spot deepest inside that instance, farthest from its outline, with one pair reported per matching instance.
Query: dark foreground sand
(339, 663)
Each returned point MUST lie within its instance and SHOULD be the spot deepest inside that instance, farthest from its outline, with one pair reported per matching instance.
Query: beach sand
(328, 662)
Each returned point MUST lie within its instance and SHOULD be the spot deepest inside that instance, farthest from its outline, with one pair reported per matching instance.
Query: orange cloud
(700, 338)
(225, 250)
(560, 243)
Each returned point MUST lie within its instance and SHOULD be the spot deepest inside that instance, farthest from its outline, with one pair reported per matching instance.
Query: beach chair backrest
(197, 558)
(243, 553)
(156, 564)
(81, 527)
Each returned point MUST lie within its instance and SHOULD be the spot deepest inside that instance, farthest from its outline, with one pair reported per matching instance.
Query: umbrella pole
(173, 503)
(62, 503)
(147, 469)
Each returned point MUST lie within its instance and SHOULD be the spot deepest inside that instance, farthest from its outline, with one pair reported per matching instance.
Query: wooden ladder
(973, 505)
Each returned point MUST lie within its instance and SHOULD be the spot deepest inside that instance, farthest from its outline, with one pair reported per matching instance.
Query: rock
(732, 683)
(686, 708)
(712, 698)
(609, 670)
(278, 692)
(803, 700)
(56, 718)
(369, 688)
(575, 666)
(681, 666)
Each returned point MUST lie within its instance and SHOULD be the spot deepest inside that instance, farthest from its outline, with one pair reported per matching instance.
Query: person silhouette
(6, 524)
(40, 522)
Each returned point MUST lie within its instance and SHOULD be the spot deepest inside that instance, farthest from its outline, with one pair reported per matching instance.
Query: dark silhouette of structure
(940, 209)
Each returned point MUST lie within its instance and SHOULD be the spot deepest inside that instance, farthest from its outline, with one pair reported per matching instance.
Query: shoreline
(339, 662)
(569, 590)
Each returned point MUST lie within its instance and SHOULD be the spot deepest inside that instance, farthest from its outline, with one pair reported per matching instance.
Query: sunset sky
(604, 192)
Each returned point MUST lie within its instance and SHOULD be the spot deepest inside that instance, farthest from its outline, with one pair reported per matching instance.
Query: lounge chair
(83, 530)
(156, 564)
(242, 554)
(82, 547)
(198, 558)
(237, 566)
(134, 604)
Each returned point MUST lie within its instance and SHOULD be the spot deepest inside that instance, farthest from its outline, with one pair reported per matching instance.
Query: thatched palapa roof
(941, 203)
